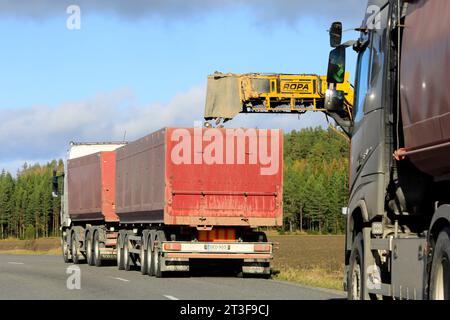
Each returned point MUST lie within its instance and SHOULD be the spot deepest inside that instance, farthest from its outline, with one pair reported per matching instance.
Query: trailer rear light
(377, 228)
(262, 247)
(172, 246)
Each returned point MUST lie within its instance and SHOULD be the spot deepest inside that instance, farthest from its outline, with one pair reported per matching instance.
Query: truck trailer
(174, 197)
(398, 227)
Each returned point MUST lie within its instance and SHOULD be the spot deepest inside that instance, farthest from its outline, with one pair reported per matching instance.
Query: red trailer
(91, 192)
(182, 195)
(92, 187)
(199, 194)
(153, 186)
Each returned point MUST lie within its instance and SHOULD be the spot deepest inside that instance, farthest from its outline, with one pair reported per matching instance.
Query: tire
(440, 268)
(126, 255)
(356, 287)
(120, 265)
(75, 255)
(150, 266)
(160, 237)
(143, 256)
(157, 263)
(65, 249)
(97, 245)
(89, 251)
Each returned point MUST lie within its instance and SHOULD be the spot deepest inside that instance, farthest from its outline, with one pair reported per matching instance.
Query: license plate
(217, 247)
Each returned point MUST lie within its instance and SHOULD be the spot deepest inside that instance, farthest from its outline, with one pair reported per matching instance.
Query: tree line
(315, 180)
(27, 208)
(315, 189)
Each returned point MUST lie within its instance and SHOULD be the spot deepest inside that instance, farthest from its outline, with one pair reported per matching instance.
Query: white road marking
(121, 279)
(11, 262)
(171, 297)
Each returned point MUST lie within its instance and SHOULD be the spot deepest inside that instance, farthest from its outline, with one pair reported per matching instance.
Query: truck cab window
(362, 83)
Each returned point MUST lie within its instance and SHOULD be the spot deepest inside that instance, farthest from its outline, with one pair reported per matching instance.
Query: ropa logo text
(296, 86)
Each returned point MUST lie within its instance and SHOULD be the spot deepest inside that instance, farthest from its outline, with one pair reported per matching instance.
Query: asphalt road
(45, 277)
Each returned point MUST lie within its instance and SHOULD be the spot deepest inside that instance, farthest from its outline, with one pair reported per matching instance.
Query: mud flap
(256, 266)
(174, 264)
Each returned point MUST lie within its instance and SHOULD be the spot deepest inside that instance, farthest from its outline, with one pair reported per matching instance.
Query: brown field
(311, 260)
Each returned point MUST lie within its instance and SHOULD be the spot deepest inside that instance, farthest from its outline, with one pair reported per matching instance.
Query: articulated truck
(176, 197)
(398, 230)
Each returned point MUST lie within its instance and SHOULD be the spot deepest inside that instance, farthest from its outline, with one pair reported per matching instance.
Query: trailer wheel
(143, 257)
(160, 237)
(120, 264)
(440, 268)
(75, 256)
(97, 245)
(65, 249)
(149, 257)
(89, 253)
(126, 255)
(356, 274)
(157, 262)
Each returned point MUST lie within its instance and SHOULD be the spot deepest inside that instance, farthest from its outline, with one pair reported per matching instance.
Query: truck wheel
(126, 255)
(149, 257)
(120, 265)
(355, 273)
(143, 257)
(97, 246)
(65, 249)
(157, 263)
(440, 268)
(89, 253)
(75, 256)
(160, 237)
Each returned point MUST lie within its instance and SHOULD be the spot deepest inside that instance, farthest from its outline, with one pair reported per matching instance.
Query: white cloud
(41, 133)
(182, 110)
(263, 11)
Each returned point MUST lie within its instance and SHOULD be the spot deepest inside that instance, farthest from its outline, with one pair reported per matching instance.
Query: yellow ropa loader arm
(230, 94)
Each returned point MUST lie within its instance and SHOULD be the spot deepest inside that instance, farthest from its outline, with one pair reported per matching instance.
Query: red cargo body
(168, 177)
(425, 74)
(91, 185)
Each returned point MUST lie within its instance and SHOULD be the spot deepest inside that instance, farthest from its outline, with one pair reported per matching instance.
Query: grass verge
(314, 277)
(36, 246)
(39, 252)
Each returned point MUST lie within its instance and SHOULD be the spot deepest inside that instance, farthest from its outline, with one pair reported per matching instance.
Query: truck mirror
(55, 192)
(334, 100)
(336, 34)
(336, 66)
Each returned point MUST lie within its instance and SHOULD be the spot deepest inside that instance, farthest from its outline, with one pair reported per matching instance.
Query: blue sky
(143, 67)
